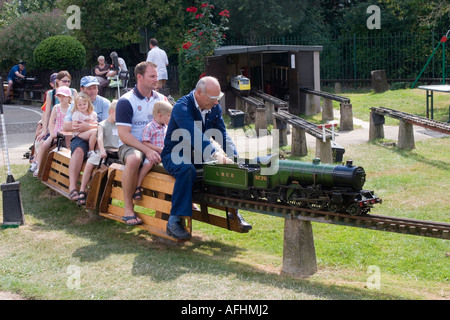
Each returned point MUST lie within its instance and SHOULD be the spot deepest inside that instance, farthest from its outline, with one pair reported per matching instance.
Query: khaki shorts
(125, 151)
(95, 159)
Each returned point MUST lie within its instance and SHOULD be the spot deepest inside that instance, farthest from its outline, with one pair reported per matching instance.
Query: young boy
(153, 137)
(107, 139)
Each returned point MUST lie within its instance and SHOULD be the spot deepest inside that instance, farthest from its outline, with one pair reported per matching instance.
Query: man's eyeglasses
(216, 97)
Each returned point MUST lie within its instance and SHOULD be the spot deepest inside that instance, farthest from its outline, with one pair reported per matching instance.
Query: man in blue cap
(16, 72)
(78, 146)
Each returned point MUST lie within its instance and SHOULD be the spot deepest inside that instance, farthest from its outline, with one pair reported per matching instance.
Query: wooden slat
(58, 177)
(154, 181)
(160, 232)
(60, 168)
(44, 168)
(95, 187)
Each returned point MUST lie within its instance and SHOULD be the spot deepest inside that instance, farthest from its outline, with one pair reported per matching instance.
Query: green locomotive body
(337, 188)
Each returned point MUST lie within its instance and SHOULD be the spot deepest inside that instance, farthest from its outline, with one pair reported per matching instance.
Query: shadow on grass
(162, 262)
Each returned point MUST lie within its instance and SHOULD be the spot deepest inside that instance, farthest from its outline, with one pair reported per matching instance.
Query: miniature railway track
(307, 126)
(375, 222)
(326, 95)
(413, 119)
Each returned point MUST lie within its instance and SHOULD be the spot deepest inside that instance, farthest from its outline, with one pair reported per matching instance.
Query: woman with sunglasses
(62, 79)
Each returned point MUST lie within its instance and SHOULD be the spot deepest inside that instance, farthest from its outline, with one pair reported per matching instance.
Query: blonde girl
(58, 113)
(83, 111)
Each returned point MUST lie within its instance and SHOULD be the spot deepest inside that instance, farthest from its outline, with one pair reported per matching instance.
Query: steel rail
(303, 124)
(413, 119)
(326, 95)
(423, 228)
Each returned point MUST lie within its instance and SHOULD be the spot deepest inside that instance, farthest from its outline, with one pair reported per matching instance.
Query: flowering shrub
(206, 33)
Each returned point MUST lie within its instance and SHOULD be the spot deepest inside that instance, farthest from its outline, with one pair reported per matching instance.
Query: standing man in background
(159, 57)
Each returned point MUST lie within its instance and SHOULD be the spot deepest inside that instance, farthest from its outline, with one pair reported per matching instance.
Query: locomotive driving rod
(431, 229)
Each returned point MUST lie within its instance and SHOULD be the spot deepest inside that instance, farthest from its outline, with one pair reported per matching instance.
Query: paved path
(20, 123)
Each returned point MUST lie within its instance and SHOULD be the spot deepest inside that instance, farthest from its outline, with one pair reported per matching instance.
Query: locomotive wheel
(333, 207)
(319, 205)
(293, 199)
(354, 210)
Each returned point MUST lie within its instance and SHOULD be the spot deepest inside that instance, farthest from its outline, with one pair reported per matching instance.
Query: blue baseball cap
(88, 81)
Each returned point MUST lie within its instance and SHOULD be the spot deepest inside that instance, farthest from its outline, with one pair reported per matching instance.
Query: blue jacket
(187, 133)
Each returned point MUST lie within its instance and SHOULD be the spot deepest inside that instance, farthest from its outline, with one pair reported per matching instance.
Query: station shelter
(277, 70)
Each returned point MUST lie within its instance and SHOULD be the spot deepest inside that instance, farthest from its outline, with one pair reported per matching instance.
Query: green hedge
(60, 53)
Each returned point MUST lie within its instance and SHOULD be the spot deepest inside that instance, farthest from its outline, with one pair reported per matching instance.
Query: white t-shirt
(159, 57)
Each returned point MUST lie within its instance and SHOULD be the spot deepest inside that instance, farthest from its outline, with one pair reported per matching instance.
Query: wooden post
(298, 147)
(323, 151)
(299, 254)
(270, 108)
(406, 135)
(346, 122)
(282, 129)
(379, 81)
(260, 121)
(376, 128)
(327, 109)
(239, 103)
(310, 107)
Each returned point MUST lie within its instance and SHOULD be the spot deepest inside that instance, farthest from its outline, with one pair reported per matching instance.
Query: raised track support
(299, 254)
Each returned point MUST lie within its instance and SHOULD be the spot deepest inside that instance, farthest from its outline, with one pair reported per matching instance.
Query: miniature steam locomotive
(336, 188)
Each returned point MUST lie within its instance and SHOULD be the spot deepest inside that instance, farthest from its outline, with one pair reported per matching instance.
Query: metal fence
(351, 58)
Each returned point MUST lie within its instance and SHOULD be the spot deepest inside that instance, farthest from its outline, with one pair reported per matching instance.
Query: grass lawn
(406, 100)
(61, 243)
(64, 253)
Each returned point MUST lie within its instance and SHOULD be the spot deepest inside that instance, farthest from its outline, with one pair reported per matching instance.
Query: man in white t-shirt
(159, 57)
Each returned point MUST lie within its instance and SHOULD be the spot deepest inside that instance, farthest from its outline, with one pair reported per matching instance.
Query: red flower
(199, 16)
(187, 45)
(192, 9)
(202, 75)
(204, 5)
(225, 13)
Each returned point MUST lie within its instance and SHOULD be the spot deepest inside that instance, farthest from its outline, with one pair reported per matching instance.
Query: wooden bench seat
(105, 195)
(54, 173)
(154, 208)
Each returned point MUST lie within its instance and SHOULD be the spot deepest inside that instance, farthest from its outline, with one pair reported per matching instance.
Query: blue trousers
(185, 175)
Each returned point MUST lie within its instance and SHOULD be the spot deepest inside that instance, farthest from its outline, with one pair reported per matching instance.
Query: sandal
(81, 198)
(137, 195)
(128, 218)
(73, 195)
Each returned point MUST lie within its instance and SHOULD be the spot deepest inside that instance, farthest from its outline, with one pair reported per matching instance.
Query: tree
(113, 25)
(19, 39)
(12, 9)
(253, 19)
